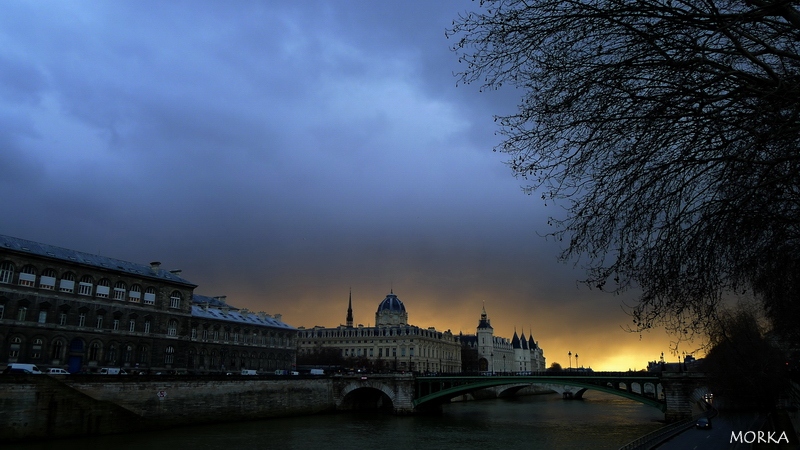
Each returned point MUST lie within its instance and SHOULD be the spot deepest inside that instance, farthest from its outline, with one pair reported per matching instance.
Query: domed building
(391, 345)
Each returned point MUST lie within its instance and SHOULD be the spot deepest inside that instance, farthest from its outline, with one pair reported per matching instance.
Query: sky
(286, 154)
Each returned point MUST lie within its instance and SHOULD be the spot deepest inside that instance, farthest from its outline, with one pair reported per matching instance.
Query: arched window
(103, 288)
(67, 283)
(57, 351)
(150, 296)
(135, 294)
(111, 356)
(175, 299)
(86, 285)
(169, 355)
(27, 276)
(127, 355)
(6, 272)
(48, 280)
(16, 344)
(36, 349)
(172, 328)
(119, 290)
(94, 351)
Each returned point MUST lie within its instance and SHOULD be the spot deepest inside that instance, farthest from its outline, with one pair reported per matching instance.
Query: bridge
(671, 392)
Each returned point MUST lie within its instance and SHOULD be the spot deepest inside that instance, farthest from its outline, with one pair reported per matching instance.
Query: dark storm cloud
(281, 153)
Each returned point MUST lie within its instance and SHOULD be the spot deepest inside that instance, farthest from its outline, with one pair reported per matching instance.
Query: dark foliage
(668, 130)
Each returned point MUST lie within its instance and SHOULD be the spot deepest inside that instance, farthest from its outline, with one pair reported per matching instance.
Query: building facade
(64, 308)
(392, 344)
(494, 354)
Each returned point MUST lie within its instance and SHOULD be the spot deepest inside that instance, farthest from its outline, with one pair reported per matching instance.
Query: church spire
(350, 310)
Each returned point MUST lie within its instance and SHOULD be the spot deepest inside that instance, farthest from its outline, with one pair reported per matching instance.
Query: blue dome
(391, 303)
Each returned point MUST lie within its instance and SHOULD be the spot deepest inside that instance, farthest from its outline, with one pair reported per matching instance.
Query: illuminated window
(169, 355)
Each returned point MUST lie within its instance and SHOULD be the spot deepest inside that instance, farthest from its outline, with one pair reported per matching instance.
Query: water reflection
(600, 421)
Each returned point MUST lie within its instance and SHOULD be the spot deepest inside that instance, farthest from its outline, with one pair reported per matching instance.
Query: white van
(248, 372)
(22, 368)
(112, 371)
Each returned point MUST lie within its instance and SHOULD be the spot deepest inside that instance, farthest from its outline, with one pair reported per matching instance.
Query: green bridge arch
(432, 390)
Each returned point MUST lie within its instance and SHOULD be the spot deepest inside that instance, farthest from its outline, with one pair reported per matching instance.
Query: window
(82, 319)
(103, 288)
(99, 323)
(48, 280)
(13, 350)
(194, 333)
(62, 319)
(58, 349)
(142, 353)
(6, 272)
(172, 328)
(27, 276)
(150, 296)
(146, 326)
(216, 335)
(135, 294)
(94, 351)
(175, 299)
(42, 316)
(115, 325)
(85, 286)
(205, 335)
(132, 325)
(67, 283)
(21, 313)
(119, 291)
(169, 355)
(36, 349)
(2, 311)
(111, 357)
(127, 355)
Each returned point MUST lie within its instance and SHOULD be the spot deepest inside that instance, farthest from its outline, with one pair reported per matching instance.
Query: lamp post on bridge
(570, 359)
(576, 361)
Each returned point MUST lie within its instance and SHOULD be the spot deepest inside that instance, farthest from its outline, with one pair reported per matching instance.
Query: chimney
(176, 272)
(155, 265)
(278, 317)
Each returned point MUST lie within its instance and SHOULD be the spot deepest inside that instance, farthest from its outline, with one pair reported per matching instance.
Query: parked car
(113, 371)
(22, 368)
(56, 371)
(703, 423)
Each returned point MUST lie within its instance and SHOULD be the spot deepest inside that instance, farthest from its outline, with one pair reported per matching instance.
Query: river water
(599, 421)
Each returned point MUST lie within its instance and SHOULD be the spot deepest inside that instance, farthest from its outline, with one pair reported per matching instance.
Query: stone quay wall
(36, 407)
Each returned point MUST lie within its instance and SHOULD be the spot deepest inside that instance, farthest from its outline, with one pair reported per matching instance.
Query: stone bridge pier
(679, 388)
(353, 392)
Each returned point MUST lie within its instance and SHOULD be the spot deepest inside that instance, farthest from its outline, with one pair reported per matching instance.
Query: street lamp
(570, 359)
(576, 361)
